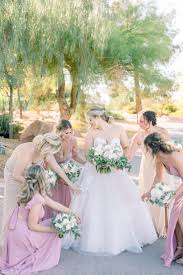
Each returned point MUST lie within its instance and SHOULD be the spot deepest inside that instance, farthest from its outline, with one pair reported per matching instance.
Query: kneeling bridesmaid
(31, 243)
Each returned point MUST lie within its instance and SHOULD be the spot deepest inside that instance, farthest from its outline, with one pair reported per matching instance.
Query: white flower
(107, 147)
(106, 154)
(68, 226)
(167, 188)
(59, 225)
(156, 193)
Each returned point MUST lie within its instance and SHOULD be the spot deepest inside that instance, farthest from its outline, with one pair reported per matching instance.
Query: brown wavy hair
(158, 144)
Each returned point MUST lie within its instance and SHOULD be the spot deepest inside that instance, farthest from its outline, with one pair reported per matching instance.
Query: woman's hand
(77, 217)
(146, 196)
(75, 189)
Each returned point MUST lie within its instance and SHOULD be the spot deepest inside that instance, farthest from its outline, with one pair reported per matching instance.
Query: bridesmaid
(69, 150)
(31, 244)
(40, 150)
(148, 124)
(169, 157)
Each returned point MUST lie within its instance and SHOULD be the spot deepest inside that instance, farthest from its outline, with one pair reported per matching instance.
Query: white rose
(59, 217)
(106, 154)
(107, 147)
(166, 188)
(68, 227)
(156, 193)
(59, 225)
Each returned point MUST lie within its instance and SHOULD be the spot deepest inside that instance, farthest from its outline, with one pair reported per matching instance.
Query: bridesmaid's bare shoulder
(162, 131)
(24, 147)
(138, 137)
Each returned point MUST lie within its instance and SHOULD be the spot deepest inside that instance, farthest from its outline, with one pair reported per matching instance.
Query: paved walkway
(146, 263)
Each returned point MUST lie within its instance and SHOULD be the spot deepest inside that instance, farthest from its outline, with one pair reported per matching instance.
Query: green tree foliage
(86, 37)
(141, 41)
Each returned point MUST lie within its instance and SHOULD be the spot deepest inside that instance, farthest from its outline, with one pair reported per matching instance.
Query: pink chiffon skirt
(171, 244)
(60, 193)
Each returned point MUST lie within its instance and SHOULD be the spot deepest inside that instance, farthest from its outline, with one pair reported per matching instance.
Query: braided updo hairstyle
(35, 181)
(158, 144)
(47, 143)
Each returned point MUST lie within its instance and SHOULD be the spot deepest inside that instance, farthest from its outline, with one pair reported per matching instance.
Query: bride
(113, 217)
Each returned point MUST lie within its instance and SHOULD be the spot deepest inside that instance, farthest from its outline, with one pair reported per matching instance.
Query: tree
(11, 67)
(141, 41)
(65, 34)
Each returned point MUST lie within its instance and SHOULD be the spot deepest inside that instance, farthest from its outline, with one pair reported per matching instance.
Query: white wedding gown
(113, 217)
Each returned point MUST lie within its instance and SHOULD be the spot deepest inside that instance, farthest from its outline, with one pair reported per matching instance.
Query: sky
(166, 6)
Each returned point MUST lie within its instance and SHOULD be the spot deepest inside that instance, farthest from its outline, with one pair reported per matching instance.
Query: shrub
(4, 127)
(169, 108)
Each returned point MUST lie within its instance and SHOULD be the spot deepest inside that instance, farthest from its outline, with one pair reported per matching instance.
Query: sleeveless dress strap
(37, 199)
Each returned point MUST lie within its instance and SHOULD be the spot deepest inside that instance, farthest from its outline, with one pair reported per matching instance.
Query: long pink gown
(27, 252)
(171, 243)
(61, 192)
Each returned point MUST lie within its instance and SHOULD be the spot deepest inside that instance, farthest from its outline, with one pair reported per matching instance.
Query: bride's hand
(146, 196)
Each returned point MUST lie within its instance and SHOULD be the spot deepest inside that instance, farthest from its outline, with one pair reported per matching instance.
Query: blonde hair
(35, 181)
(47, 143)
(100, 112)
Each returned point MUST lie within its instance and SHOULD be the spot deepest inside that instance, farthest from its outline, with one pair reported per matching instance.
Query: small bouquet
(108, 157)
(51, 178)
(162, 194)
(66, 223)
(72, 170)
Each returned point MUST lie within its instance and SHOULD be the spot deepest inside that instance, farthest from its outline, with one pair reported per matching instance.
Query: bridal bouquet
(162, 194)
(66, 223)
(72, 169)
(108, 157)
(51, 178)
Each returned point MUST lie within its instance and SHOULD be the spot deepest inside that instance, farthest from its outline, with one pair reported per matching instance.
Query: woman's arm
(56, 206)
(88, 142)
(19, 168)
(59, 171)
(124, 141)
(75, 153)
(33, 220)
(133, 146)
(160, 170)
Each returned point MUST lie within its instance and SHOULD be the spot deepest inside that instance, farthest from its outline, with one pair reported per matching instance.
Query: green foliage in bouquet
(107, 165)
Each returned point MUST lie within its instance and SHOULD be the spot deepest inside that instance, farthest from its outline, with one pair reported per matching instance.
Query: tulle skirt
(113, 217)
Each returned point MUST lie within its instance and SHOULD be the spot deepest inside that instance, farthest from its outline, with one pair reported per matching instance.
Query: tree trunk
(20, 105)
(11, 112)
(63, 106)
(81, 109)
(137, 93)
(74, 91)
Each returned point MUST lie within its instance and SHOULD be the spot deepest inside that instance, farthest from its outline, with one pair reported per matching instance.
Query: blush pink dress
(171, 242)
(27, 252)
(61, 192)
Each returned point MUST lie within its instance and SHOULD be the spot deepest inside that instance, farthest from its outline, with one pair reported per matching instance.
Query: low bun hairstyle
(158, 144)
(150, 116)
(100, 112)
